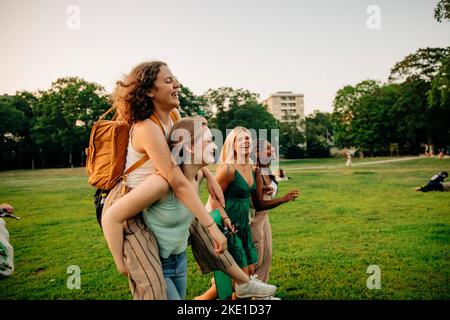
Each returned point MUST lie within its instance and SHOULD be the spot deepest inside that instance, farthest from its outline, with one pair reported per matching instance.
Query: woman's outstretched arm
(258, 196)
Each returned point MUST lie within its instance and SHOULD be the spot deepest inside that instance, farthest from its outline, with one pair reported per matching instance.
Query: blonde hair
(187, 129)
(228, 150)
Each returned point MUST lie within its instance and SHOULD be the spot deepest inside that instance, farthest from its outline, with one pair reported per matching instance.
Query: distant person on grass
(436, 183)
(349, 162)
(280, 175)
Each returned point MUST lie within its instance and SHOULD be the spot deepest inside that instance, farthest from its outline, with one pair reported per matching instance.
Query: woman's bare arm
(224, 176)
(213, 187)
(258, 196)
(149, 138)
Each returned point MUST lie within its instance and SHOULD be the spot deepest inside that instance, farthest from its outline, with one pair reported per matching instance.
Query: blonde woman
(237, 180)
(168, 218)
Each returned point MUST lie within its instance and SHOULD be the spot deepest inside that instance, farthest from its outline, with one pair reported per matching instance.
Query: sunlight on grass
(345, 220)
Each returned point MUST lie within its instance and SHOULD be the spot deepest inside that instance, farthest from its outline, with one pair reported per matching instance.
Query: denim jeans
(175, 274)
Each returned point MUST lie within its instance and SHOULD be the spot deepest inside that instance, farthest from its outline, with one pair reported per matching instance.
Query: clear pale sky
(310, 47)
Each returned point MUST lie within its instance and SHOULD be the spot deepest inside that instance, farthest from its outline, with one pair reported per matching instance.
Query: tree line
(51, 128)
(410, 111)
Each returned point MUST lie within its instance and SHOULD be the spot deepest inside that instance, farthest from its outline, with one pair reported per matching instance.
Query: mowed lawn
(345, 220)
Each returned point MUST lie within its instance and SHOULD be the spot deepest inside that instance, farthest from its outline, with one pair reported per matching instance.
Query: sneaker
(255, 288)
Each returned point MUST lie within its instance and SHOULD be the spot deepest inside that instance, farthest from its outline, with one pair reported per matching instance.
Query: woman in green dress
(236, 178)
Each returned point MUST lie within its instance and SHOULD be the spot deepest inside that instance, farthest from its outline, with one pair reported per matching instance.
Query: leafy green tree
(12, 122)
(292, 139)
(319, 133)
(423, 64)
(411, 114)
(442, 11)
(252, 116)
(345, 109)
(16, 119)
(375, 121)
(64, 118)
(418, 70)
(439, 104)
(192, 105)
(223, 98)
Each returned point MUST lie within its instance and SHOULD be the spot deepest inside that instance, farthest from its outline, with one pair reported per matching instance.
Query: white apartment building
(286, 106)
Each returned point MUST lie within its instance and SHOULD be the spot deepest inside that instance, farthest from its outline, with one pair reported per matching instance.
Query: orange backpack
(106, 154)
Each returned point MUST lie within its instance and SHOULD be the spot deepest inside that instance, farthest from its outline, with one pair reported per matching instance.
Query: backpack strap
(104, 115)
(137, 164)
(173, 115)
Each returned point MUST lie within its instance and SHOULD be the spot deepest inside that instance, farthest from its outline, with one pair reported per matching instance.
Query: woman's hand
(122, 269)
(291, 195)
(227, 224)
(220, 242)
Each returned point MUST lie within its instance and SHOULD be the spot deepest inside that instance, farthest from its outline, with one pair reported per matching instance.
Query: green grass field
(345, 220)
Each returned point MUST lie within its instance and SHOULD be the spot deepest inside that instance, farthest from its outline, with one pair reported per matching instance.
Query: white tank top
(146, 169)
(275, 191)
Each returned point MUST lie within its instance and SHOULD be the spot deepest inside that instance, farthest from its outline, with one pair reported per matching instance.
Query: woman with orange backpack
(151, 90)
(146, 98)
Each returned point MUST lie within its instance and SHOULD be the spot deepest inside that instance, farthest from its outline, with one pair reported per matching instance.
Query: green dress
(237, 206)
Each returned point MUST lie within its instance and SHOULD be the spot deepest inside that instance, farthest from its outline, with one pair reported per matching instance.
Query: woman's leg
(175, 275)
(211, 293)
(180, 279)
(141, 258)
(257, 227)
(208, 261)
(172, 290)
(264, 268)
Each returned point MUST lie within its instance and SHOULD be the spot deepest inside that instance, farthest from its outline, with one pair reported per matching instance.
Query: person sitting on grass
(6, 250)
(436, 183)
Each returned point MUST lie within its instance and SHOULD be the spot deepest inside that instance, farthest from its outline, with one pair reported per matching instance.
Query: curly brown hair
(130, 97)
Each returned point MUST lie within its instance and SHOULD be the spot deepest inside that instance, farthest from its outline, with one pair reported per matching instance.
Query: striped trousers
(141, 255)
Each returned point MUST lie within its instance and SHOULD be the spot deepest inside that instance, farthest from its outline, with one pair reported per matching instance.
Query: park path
(289, 169)
(358, 164)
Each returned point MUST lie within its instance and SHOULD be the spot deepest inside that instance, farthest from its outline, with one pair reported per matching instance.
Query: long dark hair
(259, 144)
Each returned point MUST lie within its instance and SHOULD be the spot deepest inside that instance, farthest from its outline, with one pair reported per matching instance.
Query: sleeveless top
(272, 184)
(146, 169)
(169, 220)
(275, 191)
